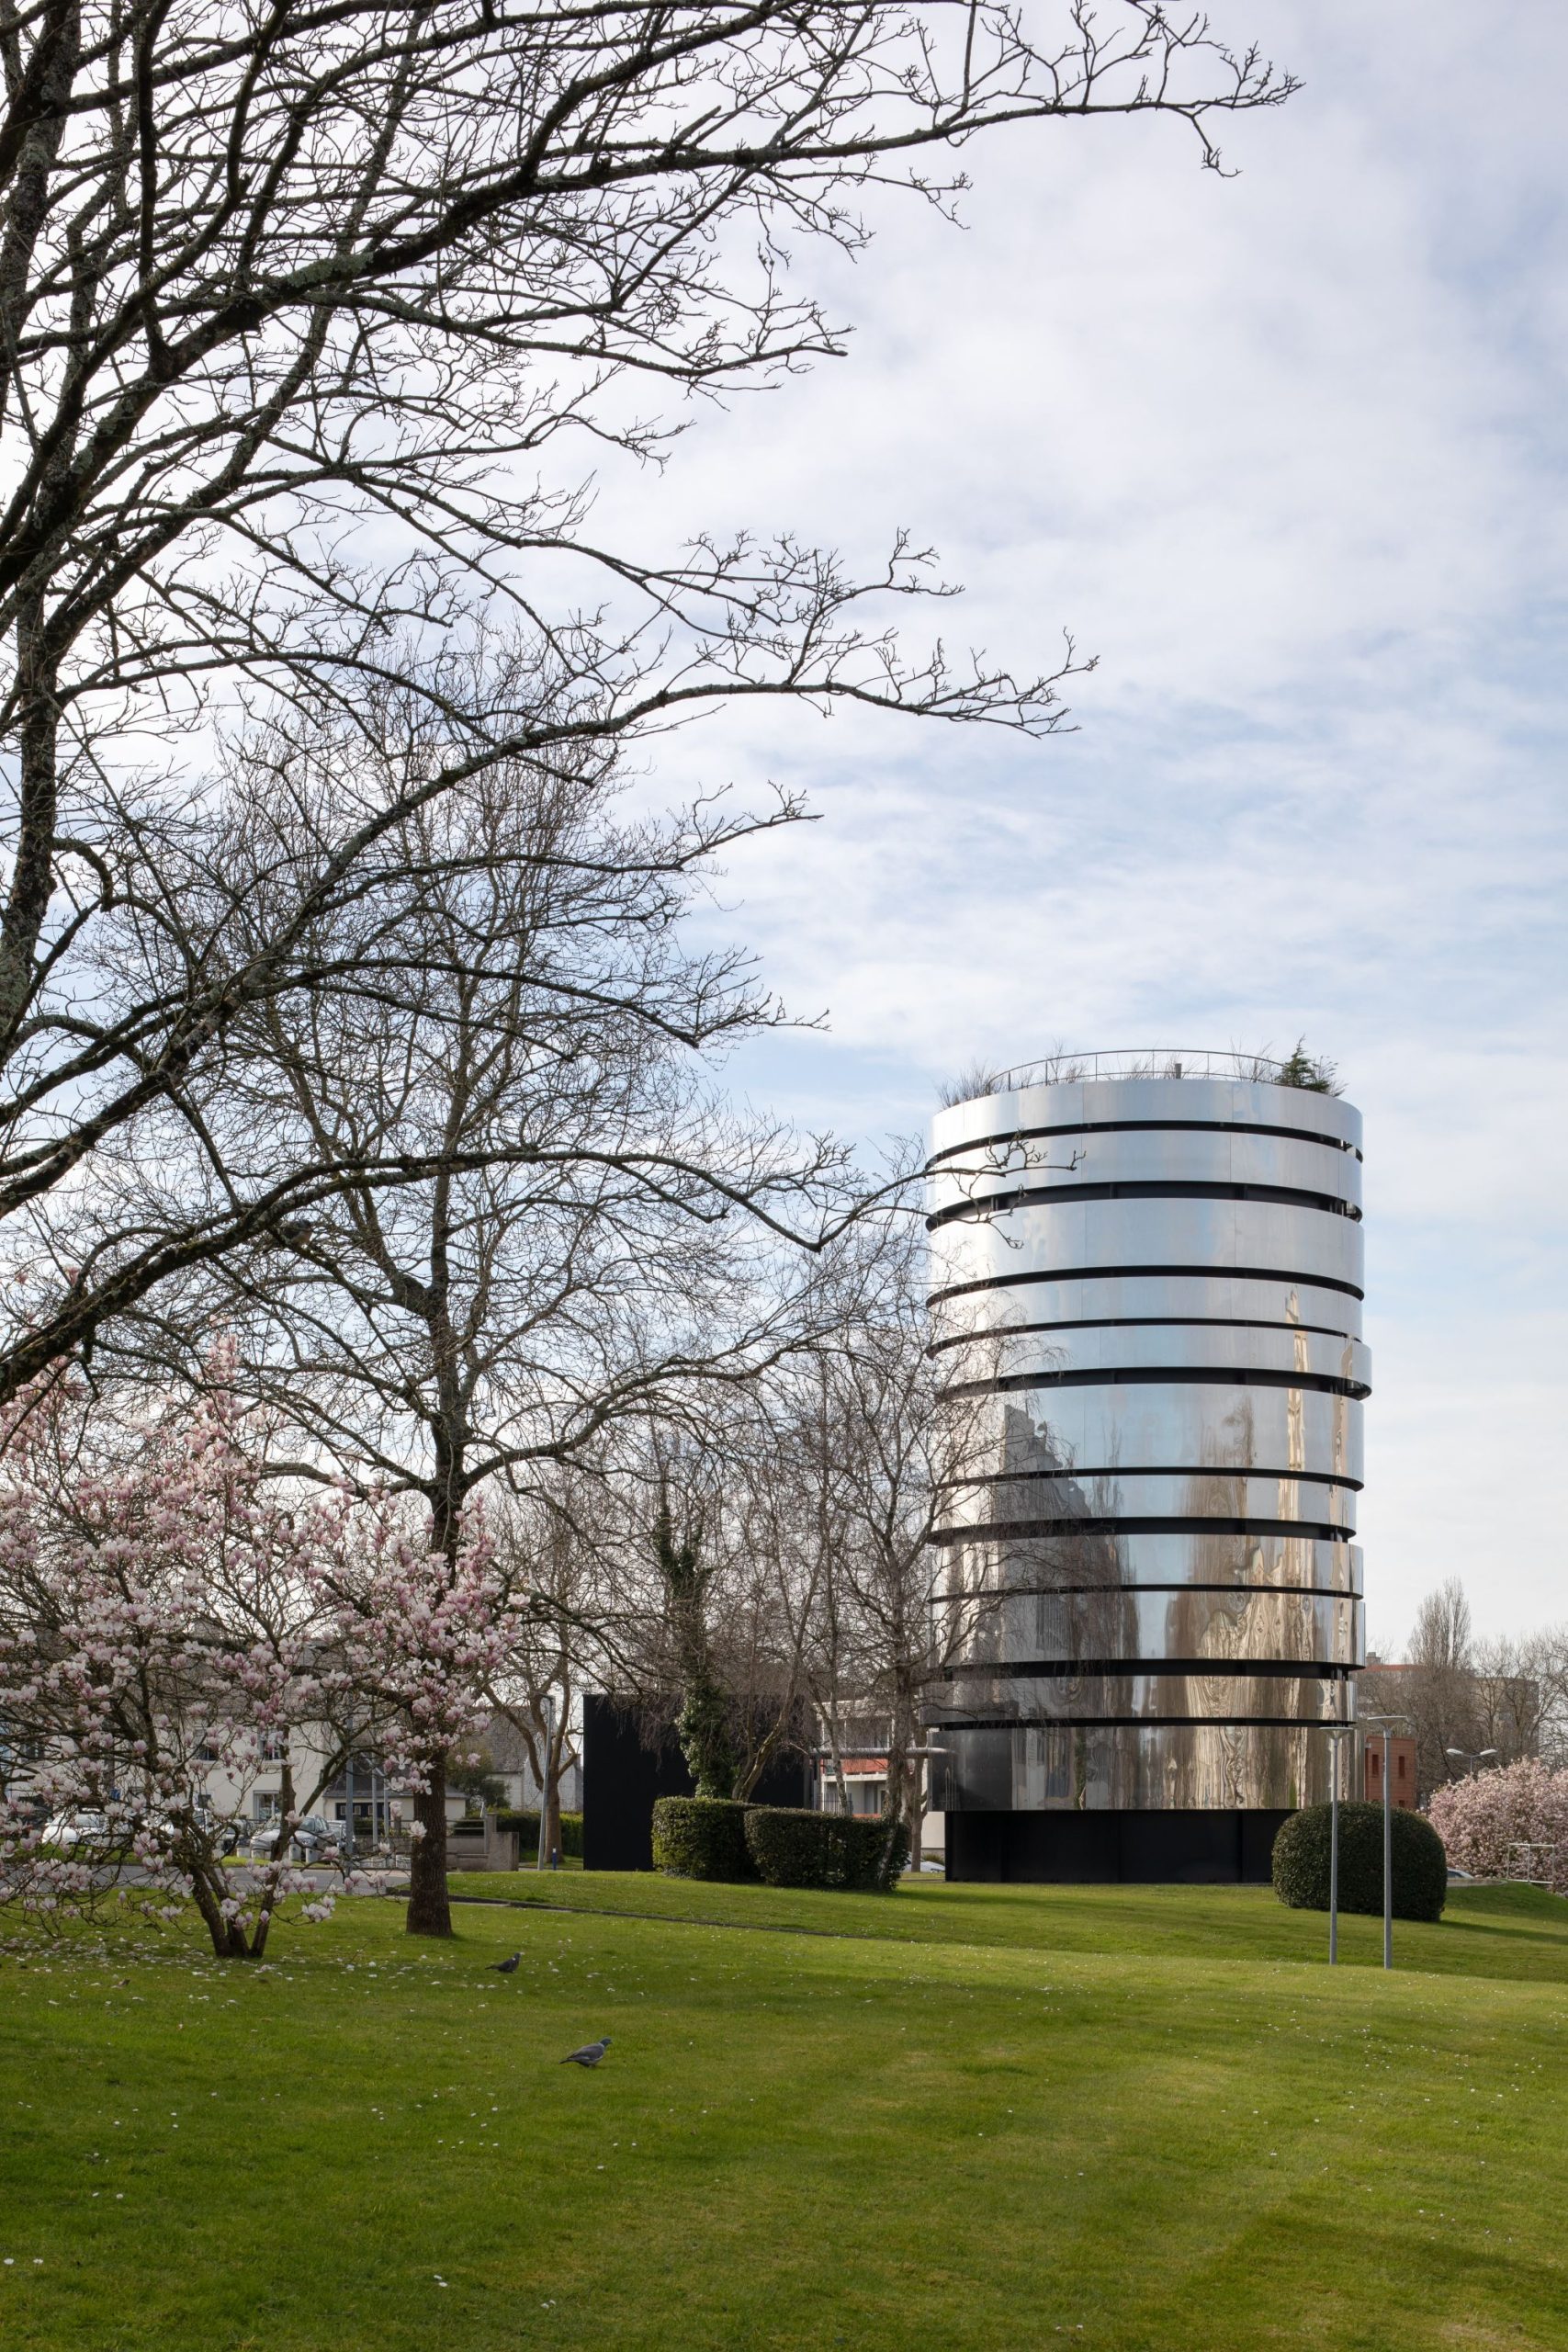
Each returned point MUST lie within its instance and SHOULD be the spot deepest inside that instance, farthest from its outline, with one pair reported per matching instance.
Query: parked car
(68, 1829)
(312, 1836)
(316, 1834)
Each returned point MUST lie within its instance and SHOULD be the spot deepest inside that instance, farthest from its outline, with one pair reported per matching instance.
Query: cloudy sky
(1286, 452)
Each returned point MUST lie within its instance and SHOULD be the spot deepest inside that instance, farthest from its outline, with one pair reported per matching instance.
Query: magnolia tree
(1509, 1824)
(420, 1632)
(162, 1633)
(170, 1625)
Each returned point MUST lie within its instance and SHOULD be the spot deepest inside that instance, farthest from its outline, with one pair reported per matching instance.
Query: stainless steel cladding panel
(987, 1249)
(1147, 1290)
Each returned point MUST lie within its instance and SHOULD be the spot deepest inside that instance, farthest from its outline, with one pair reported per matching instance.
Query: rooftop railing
(1298, 1068)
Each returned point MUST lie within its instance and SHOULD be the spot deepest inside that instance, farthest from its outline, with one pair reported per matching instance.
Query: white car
(68, 1829)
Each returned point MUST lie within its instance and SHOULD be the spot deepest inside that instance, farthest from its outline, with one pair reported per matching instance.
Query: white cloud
(1288, 452)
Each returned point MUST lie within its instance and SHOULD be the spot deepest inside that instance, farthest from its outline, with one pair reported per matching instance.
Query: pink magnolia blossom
(166, 1613)
(1489, 1821)
(157, 1619)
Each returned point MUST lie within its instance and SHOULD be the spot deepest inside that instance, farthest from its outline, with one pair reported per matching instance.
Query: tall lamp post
(542, 1856)
(1337, 1734)
(1388, 1833)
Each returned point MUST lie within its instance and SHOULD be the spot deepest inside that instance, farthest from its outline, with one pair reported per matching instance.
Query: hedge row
(527, 1825)
(1420, 1868)
(793, 1847)
(703, 1838)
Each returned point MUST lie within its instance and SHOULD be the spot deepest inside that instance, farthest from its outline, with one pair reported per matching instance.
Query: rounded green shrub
(883, 1856)
(701, 1838)
(1420, 1864)
(789, 1845)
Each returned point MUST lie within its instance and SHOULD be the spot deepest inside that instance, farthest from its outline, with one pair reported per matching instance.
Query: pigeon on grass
(506, 1967)
(589, 2055)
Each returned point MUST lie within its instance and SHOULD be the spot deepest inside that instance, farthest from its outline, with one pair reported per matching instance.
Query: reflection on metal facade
(1149, 1289)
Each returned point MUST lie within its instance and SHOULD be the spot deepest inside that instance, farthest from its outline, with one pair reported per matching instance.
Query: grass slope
(1005, 2116)
(1486, 1930)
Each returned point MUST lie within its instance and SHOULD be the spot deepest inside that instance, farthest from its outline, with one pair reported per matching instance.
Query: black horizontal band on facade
(1139, 1323)
(1142, 1127)
(1154, 1188)
(1078, 1472)
(990, 1531)
(1163, 1375)
(1280, 1276)
(1122, 1670)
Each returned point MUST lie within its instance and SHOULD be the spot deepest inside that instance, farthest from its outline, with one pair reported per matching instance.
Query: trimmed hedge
(783, 1845)
(527, 1827)
(791, 1846)
(1420, 1864)
(701, 1838)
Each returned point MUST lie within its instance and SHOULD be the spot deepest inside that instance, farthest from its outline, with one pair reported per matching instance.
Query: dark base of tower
(1108, 1848)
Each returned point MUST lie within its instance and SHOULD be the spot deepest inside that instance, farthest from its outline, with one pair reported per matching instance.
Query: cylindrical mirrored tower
(1147, 1284)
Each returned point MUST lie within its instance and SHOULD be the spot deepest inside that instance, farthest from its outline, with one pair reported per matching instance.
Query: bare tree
(301, 312)
(892, 1429)
(1503, 1698)
(1520, 1693)
(543, 1221)
(1443, 1633)
(1439, 1694)
(556, 1601)
(705, 1637)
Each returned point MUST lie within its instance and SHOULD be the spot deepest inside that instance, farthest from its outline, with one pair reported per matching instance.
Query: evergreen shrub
(1420, 1864)
(527, 1827)
(791, 1847)
(701, 1838)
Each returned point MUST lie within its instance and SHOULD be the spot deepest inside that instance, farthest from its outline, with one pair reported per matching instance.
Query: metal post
(1387, 1858)
(542, 1857)
(1337, 1734)
(348, 1818)
(1333, 1850)
(1386, 1723)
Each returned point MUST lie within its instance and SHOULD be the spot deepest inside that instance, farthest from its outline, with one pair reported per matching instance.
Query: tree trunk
(552, 1810)
(836, 1751)
(208, 1890)
(429, 1912)
(288, 1816)
(899, 1803)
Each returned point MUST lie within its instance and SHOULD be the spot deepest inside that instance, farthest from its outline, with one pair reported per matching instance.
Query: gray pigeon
(589, 2055)
(506, 1967)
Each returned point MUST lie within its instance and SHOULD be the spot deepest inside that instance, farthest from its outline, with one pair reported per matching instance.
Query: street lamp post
(1388, 1834)
(542, 1857)
(1337, 1732)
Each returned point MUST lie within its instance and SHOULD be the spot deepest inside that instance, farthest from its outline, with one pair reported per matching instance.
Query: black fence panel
(622, 1778)
(1108, 1848)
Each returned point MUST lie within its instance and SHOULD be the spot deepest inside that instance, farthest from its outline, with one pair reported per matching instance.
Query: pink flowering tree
(418, 1631)
(161, 1630)
(1510, 1823)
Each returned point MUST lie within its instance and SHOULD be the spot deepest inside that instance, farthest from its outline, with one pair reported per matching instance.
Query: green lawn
(1485, 1932)
(962, 2119)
